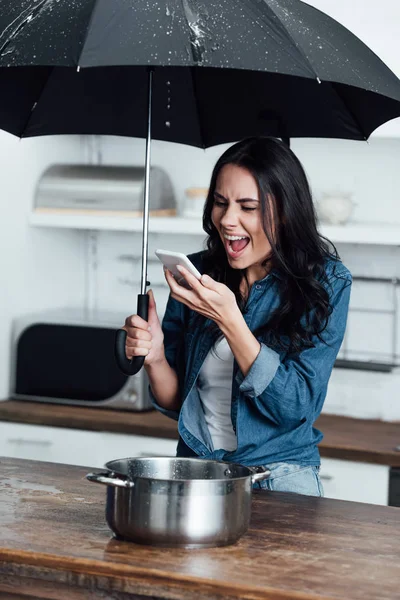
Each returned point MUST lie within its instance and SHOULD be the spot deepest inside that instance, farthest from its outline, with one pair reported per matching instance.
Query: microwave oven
(64, 357)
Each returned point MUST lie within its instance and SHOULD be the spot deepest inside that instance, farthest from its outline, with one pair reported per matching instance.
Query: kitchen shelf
(116, 223)
(363, 233)
(353, 233)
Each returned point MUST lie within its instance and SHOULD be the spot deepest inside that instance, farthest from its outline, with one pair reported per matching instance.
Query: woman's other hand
(145, 338)
(206, 296)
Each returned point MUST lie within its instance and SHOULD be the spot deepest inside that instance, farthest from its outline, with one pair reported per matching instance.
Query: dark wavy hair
(298, 252)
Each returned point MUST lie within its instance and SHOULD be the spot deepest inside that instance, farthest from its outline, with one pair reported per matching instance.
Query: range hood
(102, 190)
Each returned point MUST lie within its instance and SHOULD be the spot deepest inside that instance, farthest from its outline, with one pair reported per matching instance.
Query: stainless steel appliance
(187, 502)
(64, 357)
(107, 190)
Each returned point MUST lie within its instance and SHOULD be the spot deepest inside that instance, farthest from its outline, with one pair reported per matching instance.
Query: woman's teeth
(232, 238)
(236, 243)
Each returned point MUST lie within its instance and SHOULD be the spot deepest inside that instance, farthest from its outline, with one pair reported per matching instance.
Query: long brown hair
(299, 252)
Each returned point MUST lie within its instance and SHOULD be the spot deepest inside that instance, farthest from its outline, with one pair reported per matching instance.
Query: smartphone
(171, 259)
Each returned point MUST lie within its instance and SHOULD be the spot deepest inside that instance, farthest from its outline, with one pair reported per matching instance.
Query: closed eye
(245, 208)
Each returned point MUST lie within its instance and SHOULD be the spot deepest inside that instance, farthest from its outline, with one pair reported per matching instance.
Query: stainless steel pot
(178, 501)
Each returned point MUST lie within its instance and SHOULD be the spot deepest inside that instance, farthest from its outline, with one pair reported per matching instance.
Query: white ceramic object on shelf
(194, 201)
(335, 209)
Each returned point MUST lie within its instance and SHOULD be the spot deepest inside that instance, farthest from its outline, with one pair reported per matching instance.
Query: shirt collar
(274, 272)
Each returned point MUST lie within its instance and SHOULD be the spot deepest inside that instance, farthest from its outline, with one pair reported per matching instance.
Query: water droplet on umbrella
(198, 31)
(9, 50)
(25, 17)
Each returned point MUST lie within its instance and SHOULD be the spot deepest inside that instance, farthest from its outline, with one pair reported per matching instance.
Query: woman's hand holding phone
(145, 338)
(171, 261)
(206, 296)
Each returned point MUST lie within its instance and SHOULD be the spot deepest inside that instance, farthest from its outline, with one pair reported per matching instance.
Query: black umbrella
(301, 73)
(218, 71)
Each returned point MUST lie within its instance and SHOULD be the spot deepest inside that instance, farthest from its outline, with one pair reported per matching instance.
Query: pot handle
(106, 478)
(259, 474)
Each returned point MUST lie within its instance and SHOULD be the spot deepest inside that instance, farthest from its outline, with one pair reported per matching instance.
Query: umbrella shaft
(143, 282)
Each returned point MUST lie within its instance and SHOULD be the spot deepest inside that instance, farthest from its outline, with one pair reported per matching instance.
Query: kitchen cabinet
(355, 481)
(77, 447)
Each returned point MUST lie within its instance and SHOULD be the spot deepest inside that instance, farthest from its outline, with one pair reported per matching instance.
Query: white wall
(40, 269)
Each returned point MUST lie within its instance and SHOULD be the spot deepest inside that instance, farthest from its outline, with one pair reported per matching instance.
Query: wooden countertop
(54, 543)
(350, 439)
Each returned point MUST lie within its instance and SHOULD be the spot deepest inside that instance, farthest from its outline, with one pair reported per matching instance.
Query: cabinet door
(356, 481)
(51, 444)
(75, 446)
(116, 445)
(26, 441)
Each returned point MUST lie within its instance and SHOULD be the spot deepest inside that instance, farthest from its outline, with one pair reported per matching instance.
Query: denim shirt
(276, 404)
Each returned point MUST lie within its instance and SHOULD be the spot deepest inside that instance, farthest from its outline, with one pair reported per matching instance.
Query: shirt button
(258, 287)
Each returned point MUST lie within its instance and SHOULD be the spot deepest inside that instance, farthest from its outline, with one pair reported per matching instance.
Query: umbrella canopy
(273, 67)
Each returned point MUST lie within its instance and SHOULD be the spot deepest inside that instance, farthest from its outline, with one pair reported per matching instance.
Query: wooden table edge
(152, 578)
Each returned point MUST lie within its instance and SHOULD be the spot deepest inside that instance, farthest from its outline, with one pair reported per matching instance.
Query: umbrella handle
(133, 365)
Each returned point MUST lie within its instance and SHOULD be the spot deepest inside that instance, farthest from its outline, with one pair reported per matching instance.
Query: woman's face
(236, 214)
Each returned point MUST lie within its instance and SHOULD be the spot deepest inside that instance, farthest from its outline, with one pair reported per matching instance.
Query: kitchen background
(44, 266)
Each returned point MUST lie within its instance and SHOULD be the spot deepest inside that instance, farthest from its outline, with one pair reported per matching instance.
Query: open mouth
(235, 245)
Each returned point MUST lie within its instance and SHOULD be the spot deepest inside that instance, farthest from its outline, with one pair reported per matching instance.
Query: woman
(244, 356)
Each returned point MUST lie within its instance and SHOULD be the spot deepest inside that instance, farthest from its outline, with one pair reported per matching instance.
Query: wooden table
(54, 544)
(361, 440)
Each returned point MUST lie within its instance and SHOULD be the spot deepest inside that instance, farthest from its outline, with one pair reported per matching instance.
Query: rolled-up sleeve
(292, 390)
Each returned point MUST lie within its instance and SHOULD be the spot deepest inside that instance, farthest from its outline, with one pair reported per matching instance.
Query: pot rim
(254, 473)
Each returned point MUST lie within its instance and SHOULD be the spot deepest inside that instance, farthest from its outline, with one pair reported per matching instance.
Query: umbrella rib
(35, 103)
(349, 110)
(289, 37)
(197, 107)
(337, 92)
(96, 2)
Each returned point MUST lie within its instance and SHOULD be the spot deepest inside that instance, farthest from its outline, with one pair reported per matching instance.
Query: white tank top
(215, 389)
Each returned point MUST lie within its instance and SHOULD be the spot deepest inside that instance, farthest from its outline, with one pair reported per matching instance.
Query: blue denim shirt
(275, 406)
